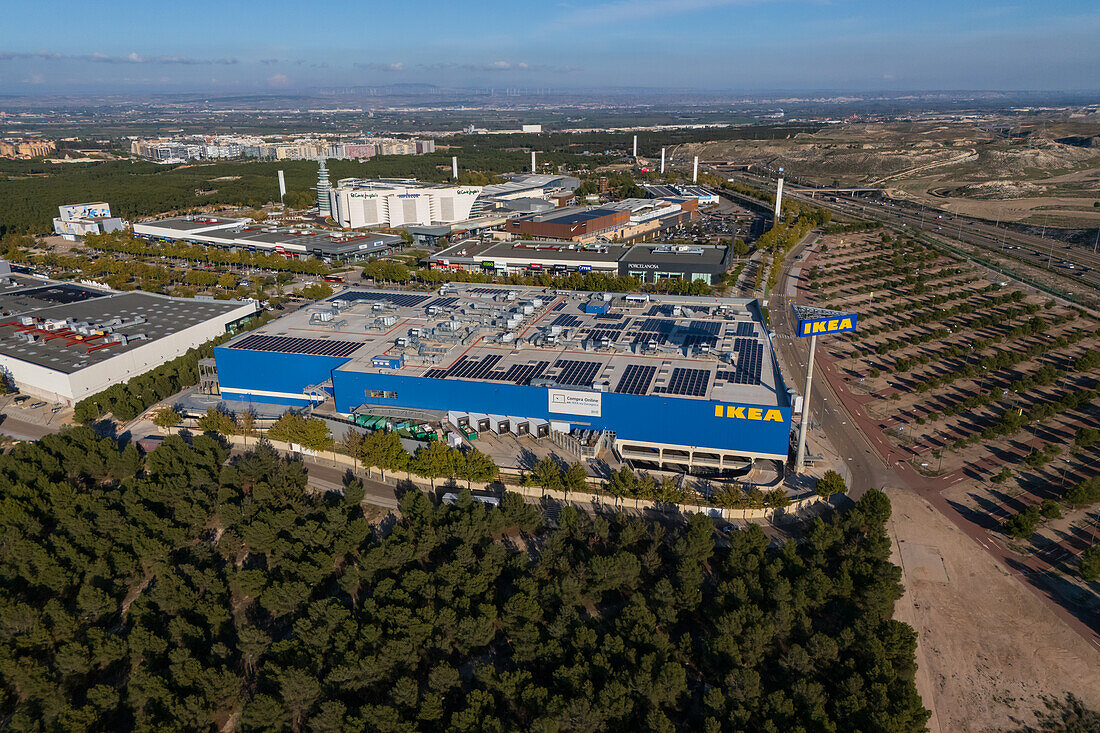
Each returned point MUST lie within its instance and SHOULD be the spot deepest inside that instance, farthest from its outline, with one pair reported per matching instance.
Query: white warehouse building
(395, 202)
(63, 341)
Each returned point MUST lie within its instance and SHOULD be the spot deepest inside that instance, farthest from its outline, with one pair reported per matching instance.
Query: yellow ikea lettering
(846, 323)
(821, 327)
(805, 328)
(832, 324)
(750, 413)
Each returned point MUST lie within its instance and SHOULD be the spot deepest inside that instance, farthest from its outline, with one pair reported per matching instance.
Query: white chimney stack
(695, 171)
(635, 146)
(282, 186)
(454, 167)
(532, 161)
(662, 161)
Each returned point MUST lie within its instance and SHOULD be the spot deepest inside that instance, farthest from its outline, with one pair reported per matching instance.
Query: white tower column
(695, 171)
(800, 457)
(532, 161)
(779, 198)
(635, 146)
(662, 161)
(454, 167)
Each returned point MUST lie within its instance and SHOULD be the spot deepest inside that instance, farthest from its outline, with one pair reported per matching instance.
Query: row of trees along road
(180, 591)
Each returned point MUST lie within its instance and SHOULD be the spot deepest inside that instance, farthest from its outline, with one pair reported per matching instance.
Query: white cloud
(624, 11)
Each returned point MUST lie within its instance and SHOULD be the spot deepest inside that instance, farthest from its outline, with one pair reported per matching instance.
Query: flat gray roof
(191, 223)
(704, 348)
(532, 249)
(690, 254)
(131, 314)
(18, 281)
(38, 294)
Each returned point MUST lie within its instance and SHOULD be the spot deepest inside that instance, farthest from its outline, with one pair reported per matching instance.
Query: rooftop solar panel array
(441, 302)
(473, 369)
(576, 372)
(403, 300)
(661, 325)
(567, 320)
(745, 329)
(487, 291)
(560, 305)
(467, 368)
(711, 327)
(636, 379)
(690, 382)
(660, 310)
(522, 374)
(290, 345)
(604, 333)
(650, 336)
(750, 362)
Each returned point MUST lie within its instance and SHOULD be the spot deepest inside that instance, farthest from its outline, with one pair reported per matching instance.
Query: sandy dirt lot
(964, 167)
(988, 648)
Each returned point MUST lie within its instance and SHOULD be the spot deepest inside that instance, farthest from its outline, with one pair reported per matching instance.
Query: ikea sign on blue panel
(759, 429)
(831, 324)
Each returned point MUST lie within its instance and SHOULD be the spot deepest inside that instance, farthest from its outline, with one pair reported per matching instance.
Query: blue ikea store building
(671, 405)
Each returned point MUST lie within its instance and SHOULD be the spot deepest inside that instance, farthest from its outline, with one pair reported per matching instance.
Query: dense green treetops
(186, 591)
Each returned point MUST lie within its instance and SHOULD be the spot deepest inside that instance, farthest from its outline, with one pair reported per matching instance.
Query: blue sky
(741, 45)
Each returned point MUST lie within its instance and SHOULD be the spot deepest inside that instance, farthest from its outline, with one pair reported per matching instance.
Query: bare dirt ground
(1036, 175)
(988, 649)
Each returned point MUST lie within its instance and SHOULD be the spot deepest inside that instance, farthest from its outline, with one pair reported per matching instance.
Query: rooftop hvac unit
(386, 320)
(26, 320)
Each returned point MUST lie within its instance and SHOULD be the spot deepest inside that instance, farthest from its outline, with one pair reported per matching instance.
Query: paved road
(23, 429)
(867, 469)
(859, 437)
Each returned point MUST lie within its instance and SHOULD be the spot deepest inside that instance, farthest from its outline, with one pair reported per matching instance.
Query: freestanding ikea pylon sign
(810, 322)
(831, 322)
